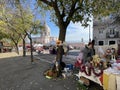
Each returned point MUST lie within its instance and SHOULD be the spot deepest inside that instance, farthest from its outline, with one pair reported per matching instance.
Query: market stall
(92, 77)
(111, 77)
(104, 71)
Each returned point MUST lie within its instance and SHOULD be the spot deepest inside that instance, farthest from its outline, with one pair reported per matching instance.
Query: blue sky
(75, 32)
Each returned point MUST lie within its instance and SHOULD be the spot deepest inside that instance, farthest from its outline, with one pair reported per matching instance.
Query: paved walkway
(17, 73)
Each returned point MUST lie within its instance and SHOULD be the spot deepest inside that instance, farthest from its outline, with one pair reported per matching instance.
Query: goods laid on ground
(53, 72)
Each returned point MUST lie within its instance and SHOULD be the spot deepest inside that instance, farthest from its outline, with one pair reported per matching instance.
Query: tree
(30, 24)
(65, 11)
(20, 20)
(8, 30)
(17, 21)
(2, 34)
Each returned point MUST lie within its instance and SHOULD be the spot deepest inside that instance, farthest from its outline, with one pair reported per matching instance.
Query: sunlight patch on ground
(11, 54)
(8, 54)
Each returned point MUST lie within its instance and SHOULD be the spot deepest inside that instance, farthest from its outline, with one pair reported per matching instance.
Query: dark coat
(87, 54)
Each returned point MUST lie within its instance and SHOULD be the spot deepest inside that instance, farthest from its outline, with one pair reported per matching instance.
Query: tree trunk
(31, 51)
(60, 50)
(62, 34)
(24, 49)
(17, 50)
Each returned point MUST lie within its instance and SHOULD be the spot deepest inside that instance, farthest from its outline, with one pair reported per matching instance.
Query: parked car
(38, 48)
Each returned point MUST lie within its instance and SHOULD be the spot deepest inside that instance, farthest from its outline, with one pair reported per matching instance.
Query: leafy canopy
(79, 10)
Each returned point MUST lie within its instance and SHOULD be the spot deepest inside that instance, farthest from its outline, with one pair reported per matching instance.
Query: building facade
(105, 32)
(45, 37)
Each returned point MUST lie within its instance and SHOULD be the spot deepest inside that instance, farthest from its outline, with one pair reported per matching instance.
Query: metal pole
(89, 33)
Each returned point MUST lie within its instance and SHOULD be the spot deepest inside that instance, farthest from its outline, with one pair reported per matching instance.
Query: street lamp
(89, 33)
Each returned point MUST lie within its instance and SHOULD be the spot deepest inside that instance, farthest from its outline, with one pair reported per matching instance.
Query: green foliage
(18, 19)
(79, 10)
(116, 15)
(65, 9)
(22, 21)
(81, 86)
(36, 27)
(3, 26)
(2, 35)
(105, 8)
(11, 23)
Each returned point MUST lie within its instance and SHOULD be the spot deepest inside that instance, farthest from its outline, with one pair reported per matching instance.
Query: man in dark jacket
(87, 53)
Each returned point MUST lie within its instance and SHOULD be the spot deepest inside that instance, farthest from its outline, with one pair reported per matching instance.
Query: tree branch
(72, 10)
(46, 2)
(63, 11)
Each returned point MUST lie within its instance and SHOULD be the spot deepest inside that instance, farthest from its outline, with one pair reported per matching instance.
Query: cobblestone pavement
(17, 73)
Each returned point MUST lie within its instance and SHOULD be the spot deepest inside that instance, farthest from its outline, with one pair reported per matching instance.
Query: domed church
(45, 34)
(45, 37)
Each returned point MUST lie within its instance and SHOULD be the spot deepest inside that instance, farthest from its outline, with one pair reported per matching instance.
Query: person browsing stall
(87, 53)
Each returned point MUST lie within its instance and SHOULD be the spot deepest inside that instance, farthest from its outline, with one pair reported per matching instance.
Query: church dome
(46, 28)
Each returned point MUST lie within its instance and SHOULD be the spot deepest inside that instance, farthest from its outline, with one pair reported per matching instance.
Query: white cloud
(75, 32)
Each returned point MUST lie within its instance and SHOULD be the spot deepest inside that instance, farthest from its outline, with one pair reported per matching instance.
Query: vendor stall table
(108, 80)
(92, 77)
(111, 81)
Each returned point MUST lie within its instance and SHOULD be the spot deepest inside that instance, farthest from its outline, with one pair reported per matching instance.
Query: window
(112, 31)
(101, 43)
(100, 31)
(111, 42)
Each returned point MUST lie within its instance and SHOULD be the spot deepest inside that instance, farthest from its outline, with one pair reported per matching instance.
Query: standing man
(87, 53)
(93, 49)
